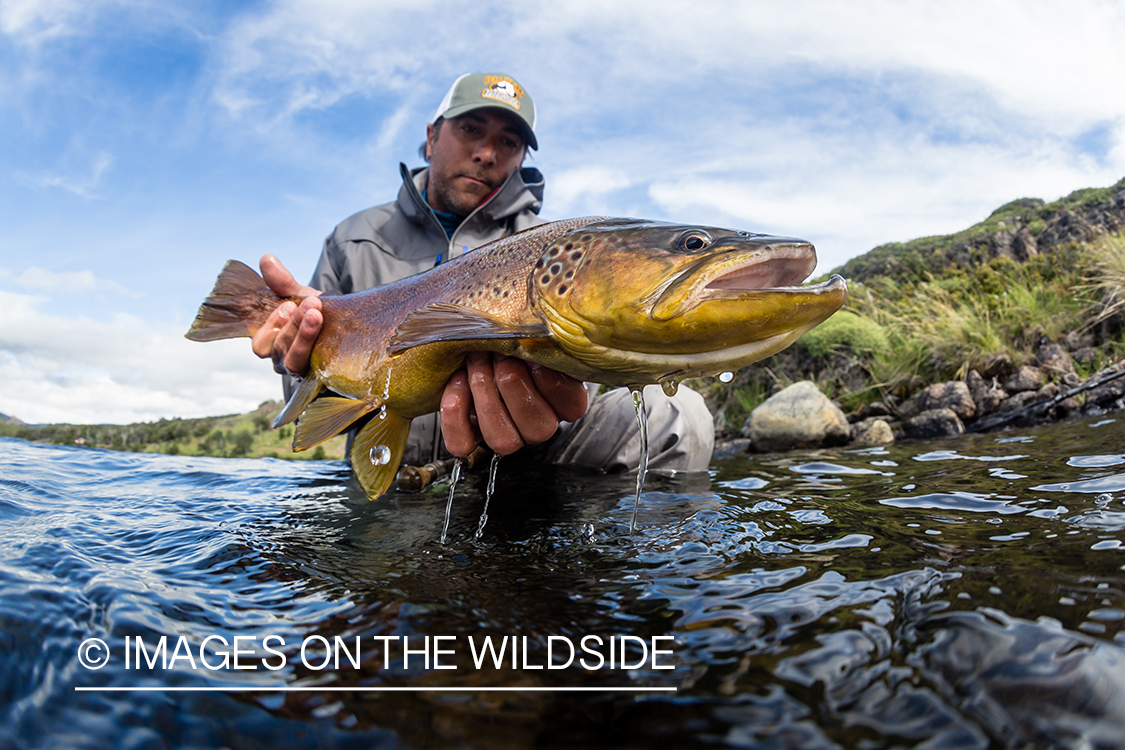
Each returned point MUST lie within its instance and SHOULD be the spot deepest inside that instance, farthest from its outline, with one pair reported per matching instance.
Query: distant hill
(1018, 231)
(236, 435)
(11, 420)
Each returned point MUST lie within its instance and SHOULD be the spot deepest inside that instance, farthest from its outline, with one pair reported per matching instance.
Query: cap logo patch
(503, 90)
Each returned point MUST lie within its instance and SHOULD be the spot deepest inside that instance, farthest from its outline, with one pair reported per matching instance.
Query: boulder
(986, 395)
(799, 416)
(1054, 360)
(871, 432)
(933, 423)
(953, 395)
(1027, 378)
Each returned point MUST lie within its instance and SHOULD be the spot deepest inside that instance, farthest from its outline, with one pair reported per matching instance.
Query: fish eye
(693, 241)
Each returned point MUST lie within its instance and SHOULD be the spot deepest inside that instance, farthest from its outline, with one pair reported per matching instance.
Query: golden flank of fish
(615, 301)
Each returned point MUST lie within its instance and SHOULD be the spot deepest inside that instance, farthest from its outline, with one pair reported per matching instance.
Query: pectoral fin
(328, 417)
(301, 398)
(377, 452)
(445, 322)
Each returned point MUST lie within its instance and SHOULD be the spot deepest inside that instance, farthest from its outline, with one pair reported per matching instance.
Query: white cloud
(68, 281)
(584, 189)
(33, 21)
(126, 370)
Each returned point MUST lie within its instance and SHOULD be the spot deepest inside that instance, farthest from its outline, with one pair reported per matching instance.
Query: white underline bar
(337, 689)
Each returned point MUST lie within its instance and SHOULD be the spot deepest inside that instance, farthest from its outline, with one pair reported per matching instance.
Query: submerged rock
(799, 416)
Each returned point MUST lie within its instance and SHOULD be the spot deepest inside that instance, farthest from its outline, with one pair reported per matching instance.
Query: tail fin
(239, 305)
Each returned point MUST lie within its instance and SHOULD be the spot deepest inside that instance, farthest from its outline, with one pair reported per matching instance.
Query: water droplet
(726, 377)
(380, 455)
(670, 387)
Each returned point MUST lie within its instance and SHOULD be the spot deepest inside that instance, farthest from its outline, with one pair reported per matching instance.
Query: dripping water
(642, 422)
(453, 477)
(726, 377)
(488, 494)
(670, 386)
(380, 455)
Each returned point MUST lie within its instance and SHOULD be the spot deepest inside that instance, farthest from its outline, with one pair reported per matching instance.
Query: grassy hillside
(986, 298)
(236, 435)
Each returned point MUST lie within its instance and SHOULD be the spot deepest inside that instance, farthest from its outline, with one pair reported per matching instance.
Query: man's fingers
(296, 358)
(530, 412)
(281, 281)
(457, 416)
(496, 426)
(262, 341)
(567, 396)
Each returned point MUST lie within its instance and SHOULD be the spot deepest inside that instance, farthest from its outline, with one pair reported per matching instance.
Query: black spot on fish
(553, 252)
(570, 274)
(539, 264)
(562, 288)
(576, 256)
(556, 268)
(546, 279)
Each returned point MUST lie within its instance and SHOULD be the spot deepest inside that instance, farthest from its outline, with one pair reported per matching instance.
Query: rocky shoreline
(800, 416)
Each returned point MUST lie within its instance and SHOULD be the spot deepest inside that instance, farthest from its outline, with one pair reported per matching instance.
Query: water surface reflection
(964, 593)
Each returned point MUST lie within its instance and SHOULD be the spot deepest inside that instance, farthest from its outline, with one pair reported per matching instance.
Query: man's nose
(485, 152)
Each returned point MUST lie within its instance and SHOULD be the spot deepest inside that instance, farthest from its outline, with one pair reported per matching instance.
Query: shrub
(845, 328)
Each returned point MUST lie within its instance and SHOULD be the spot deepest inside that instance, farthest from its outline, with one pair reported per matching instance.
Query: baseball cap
(476, 90)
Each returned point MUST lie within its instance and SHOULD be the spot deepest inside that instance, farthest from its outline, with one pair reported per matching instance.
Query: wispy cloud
(126, 370)
(82, 183)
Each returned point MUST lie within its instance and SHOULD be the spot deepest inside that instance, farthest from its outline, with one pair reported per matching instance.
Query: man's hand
(288, 335)
(506, 402)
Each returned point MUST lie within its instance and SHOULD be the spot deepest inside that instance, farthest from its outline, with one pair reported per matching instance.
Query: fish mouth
(784, 267)
(776, 267)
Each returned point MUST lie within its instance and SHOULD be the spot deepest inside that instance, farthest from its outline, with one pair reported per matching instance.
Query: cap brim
(464, 109)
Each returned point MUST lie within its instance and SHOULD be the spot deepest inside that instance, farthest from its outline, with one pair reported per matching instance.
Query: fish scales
(615, 301)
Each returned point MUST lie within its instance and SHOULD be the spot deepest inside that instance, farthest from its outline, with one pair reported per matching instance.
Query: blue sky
(143, 143)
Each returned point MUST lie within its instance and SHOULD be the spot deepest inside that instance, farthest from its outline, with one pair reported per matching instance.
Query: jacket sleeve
(326, 276)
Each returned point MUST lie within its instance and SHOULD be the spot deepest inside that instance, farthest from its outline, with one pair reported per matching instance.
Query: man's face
(470, 156)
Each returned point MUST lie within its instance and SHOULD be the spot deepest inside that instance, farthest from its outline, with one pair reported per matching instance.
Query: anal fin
(328, 417)
(377, 452)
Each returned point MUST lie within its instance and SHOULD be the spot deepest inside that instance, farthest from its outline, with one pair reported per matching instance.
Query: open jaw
(782, 267)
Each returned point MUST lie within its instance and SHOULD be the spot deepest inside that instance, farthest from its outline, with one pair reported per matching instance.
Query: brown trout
(621, 302)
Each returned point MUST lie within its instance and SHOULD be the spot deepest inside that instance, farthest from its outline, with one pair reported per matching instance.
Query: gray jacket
(401, 238)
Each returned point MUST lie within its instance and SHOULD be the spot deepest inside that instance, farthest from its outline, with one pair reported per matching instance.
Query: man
(474, 191)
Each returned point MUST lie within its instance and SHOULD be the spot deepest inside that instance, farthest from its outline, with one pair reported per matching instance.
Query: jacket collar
(522, 191)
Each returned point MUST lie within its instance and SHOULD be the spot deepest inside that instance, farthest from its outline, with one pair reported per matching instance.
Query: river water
(966, 593)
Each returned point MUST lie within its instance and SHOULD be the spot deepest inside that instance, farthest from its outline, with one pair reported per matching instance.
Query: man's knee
(681, 433)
